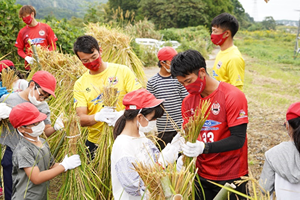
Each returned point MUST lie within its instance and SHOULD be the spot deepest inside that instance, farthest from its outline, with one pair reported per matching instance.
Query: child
(32, 158)
(281, 171)
(131, 145)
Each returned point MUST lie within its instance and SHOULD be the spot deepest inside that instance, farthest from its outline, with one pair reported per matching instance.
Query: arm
(85, 119)
(267, 178)
(236, 71)
(37, 177)
(51, 39)
(21, 53)
(235, 141)
(49, 130)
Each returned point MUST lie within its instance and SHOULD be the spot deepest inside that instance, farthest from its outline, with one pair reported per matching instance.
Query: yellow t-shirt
(88, 92)
(229, 67)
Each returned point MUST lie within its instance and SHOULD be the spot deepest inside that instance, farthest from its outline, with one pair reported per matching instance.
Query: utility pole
(297, 47)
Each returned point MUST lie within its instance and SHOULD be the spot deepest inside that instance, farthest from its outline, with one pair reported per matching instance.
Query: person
(163, 86)
(221, 148)
(39, 89)
(281, 170)
(33, 164)
(20, 83)
(41, 34)
(88, 98)
(229, 64)
(131, 145)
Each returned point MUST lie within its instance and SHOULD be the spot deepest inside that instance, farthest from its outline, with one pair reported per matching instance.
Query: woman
(131, 145)
(281, 171)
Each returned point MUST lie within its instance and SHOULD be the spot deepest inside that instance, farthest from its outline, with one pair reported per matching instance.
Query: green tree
(10, 24)
(269, 23)
(131, 5)
(239, 12)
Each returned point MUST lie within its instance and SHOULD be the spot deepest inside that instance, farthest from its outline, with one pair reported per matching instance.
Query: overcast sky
(278, 9)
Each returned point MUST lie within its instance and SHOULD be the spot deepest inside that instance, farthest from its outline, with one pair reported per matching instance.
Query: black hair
(187, 62)
(18, 74)
(86, 44)
(131, 114)
(159, 64)
(295, 124)
(226, 21)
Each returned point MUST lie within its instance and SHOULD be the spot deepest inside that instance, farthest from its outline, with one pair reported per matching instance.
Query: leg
(7, 171)
(91, 149)
(210, 190)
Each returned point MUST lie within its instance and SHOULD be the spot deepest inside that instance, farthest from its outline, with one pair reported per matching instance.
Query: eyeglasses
(43, 96)
(30, 125)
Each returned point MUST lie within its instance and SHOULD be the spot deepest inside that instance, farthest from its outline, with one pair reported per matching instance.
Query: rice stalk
(8, 78)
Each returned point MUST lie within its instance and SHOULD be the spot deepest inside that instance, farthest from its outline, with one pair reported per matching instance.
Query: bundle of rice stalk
(8, 78)
(193, 127)
(81, 182)
(116, 48)
(163, 184)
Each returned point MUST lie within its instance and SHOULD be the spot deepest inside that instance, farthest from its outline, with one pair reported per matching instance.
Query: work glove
(179, 163)
(71, 162)
(4, 111)
(3, 91)
(178, 141)
(29, 59)
(193, 149)
(108, 115)
(116, 117)
(59, 124)
(168, 155)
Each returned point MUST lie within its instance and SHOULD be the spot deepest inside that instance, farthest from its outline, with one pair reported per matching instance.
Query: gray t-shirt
(26, 155)
(9, 136)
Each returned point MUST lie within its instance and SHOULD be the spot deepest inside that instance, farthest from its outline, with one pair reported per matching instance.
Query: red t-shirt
(228, 109)
(41, 34)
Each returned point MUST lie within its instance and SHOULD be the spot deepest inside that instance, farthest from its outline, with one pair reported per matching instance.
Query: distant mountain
(287, 22)
(60, 8)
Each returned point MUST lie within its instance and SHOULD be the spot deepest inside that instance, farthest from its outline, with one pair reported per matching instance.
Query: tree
(269, 23)
(239, 12)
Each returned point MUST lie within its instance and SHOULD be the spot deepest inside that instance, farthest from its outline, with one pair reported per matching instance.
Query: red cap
(46, 81)
(293, 111)
(139, 99)
(166, 53)
(5, 63)
(25, 114)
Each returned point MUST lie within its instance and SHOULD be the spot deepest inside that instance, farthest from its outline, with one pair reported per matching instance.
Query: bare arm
(37, 177)
(49, 130)
(85, 119)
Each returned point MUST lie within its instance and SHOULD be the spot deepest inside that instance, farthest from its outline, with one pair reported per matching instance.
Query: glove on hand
(178, 141)
(3, 91)
(116, 117)
(59, 124)
(179, 163)
(193, 149)
(4, 111)
(29, 59)
(106, 114)
(71, 162)
(168, 155)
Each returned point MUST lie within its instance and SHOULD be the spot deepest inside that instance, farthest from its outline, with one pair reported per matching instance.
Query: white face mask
(150, 127)
(37, 130)
(33, 99)
(168, 70)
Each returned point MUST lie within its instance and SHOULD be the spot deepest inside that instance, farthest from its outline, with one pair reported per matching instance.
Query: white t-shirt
(20, 85)
(126, 183)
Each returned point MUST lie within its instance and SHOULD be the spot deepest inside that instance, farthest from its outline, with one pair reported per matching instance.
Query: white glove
(179, 163)
(4, 111)
(116, 117)
(178, 141)
(59, 124)
(168, 155)
(193, 149)
(71, 162)
(106, 114)
(29, 59)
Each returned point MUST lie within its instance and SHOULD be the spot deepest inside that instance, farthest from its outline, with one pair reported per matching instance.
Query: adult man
(163, 86)
(39, 89)
(88, 95)
(41, 34)
(221, 148)
(229, 65)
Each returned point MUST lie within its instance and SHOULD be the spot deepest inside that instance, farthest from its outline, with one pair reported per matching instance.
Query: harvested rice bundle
(8, 78)
(116, 48)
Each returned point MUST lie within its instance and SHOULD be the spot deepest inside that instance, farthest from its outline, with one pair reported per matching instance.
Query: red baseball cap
(166, 53)
(25, 114)
(293, 111)
(5, 63)
(139, 99)
(46, 81)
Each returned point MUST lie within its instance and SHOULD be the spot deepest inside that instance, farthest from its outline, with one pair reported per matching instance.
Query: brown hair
(26, 10)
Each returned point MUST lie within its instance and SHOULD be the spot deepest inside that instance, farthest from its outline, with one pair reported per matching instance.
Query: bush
(146, 54)
(142, 29)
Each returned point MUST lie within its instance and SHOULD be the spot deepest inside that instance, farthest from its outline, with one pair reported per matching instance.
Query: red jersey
(228, 109)
(41, 34)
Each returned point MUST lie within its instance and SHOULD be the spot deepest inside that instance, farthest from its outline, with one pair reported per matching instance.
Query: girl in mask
(131, 145)
(281, 171)
(33, 164)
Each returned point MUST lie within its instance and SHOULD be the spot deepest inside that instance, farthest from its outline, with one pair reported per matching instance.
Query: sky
(278, 9)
